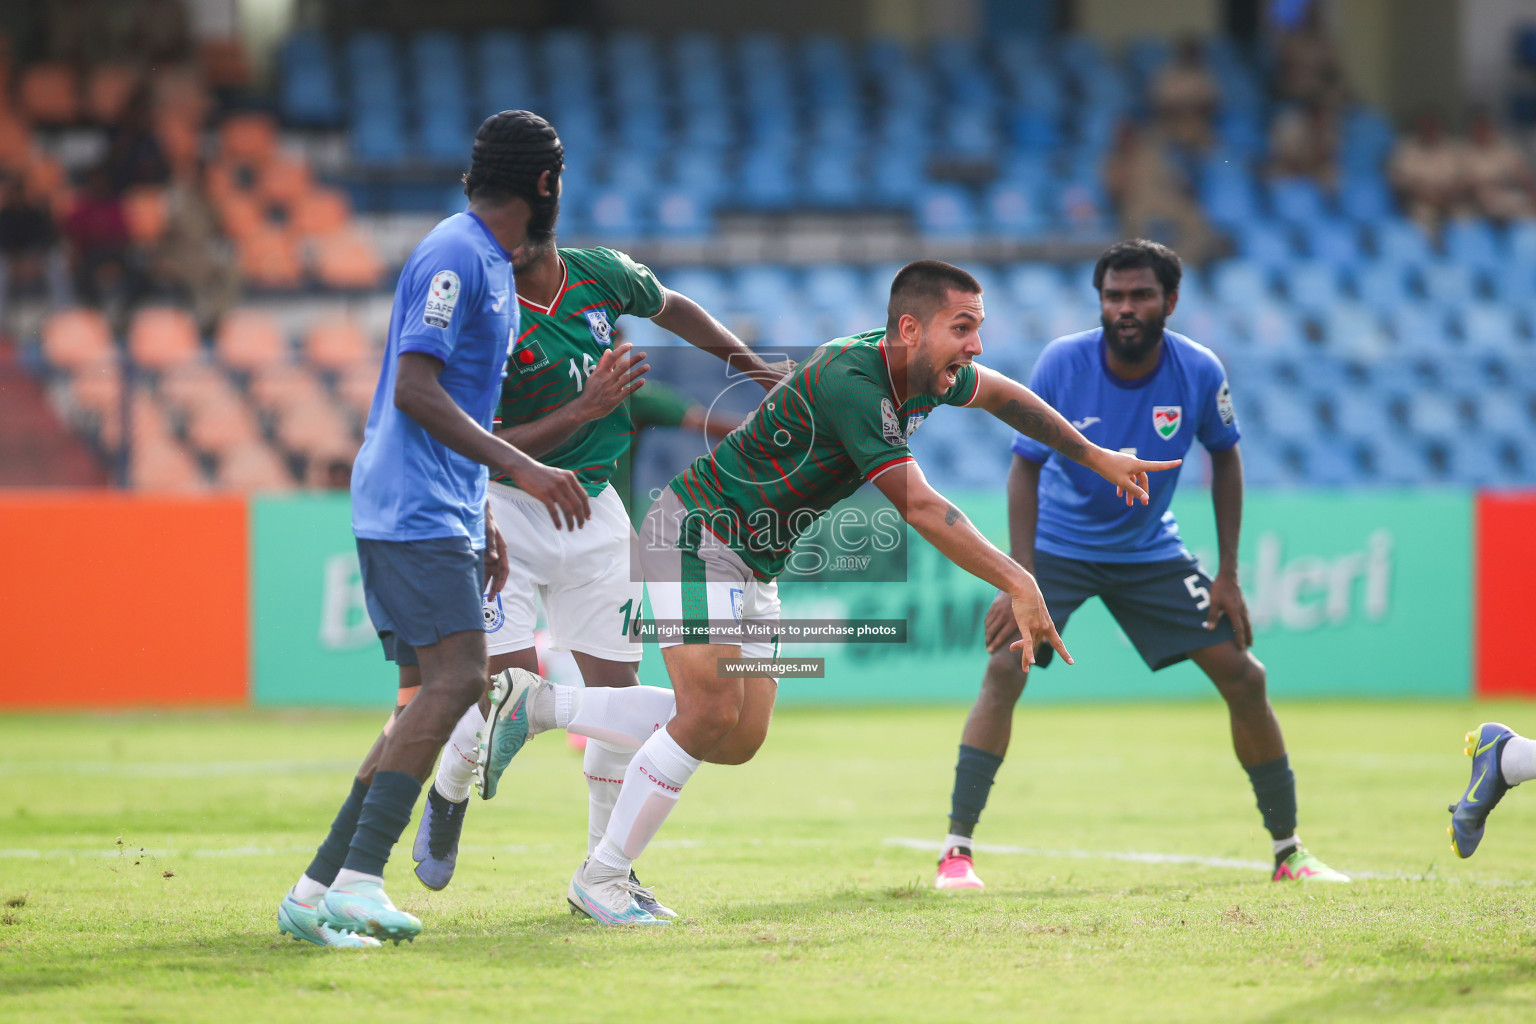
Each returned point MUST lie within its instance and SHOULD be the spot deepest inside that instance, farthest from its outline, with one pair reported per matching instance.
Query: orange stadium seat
(74, 338)
(254, 467)
(108, 92)
(336, 344)
(248, 138)
(164, 465)
(147, 421)
(241, 215)
(49, 94)
(269, 258)
(97, 388)
(347, 259)
(283, 180)
(283, 386)
(314, 428)
(196, 385)
(320, 211)
(144, 209)
(249, 339)
(356, 386)
(162, 336)
(222, 427)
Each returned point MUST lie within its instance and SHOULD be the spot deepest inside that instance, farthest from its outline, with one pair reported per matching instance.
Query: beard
(1139, 347)
(925, 378)
(531, 252)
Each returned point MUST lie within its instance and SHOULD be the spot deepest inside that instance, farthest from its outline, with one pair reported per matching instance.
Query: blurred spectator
(336, 475)
(1309, 69)
(1498, 176)
(29, 246)
(98, 234)
(191, 257)
(1426, 169)
(1153, 197)
(160, 33)
(1304, 143)
(1184, 96)
(134, 150)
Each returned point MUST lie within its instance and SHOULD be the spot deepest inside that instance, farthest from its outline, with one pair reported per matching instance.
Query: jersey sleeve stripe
(892, 464)
(975, 388)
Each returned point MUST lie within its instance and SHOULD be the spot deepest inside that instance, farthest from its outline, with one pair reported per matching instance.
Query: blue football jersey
(1156, 417)
(454, 302)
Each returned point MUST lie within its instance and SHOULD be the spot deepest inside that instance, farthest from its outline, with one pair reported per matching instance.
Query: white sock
(345, 877)
(624, 716)
(456, 768)
(652, 785)
(1282, 844)
(1517, 761)
(951, 841)
(307, 888)
(604, 766)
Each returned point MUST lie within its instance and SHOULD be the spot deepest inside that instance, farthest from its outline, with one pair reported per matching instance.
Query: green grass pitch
(142, 858)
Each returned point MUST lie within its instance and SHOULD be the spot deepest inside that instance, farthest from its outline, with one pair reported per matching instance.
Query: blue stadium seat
(308, 94)
(1240, 283)
(1448, 283)
(945, 211)
(1035, 286)
(832, 286)
(378, 136)
(1433, 414)
(1522, 245)
(704, 285)
(1312, 285)
(682, 215)
(1490, 327)
(1265, 242)
(1352, 330)
(505, 74)
(833, 179)
(1398, 462)
(1298, 200)
(1383, 285)
(632, 172)
(1014, 211)
(373, 68)
(765, 287)
(1419, 328)
(765, 180)
(1361, 414)
(1503, 412)
(616, 215)
(1336, 242)
(1402, 242)
(1365, 197)
(1475, 244)
(1330, 464)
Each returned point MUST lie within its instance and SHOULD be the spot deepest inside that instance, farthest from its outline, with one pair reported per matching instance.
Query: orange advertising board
(111, 600)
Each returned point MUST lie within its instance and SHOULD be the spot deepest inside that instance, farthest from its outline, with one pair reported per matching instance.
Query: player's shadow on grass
(1459, 987)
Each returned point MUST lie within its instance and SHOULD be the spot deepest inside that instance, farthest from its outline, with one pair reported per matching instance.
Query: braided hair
(512, 149)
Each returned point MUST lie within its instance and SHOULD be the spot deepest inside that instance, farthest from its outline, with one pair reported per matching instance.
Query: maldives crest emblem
(1166, 420)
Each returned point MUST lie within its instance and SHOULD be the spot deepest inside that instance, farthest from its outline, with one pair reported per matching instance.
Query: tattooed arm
(1026, 412)
(947, 528)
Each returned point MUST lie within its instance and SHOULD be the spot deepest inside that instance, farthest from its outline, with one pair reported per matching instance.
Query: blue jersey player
(425, 541)
(1132, 386)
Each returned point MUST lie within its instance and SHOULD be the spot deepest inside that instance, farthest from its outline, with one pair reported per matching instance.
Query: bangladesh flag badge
(1166, 420)
(530, 357)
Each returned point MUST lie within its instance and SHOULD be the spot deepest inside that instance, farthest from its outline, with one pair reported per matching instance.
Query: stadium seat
(269, 258)
(282, 180)
(1353, 330)
(1240, 283)
(1311, 285)
(163, 466)
(336, 344)
(1361, 415)
(241, 215)
(254, 467)
(314, 428)
(1396, 462)
(48, 94)
(144, 212)
(280, 386)
(1474, 244)
(108, 90)
(1382, 285)
(321, 211)
(195, 385)
(77, 338)
(356, 385)
(1432, 414)
(249, 339)
(1299, 201)
(831, 287)
(307, 87)
(1402, 243)
(219, 427)
(681, 215)
(248, 138)
(944, 211)
(347, 259)
(97, 388)
(1335, 242)
(162, 336)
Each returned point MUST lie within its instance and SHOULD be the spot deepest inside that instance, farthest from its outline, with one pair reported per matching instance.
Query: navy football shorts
(419, 591)
(1161, 606)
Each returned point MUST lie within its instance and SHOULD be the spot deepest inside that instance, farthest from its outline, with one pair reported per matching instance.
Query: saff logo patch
(530, 357)
(890, 426)
(442, 297)
(602, 330)
(1166, 420)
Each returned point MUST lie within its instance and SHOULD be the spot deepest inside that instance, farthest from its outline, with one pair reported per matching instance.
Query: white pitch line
(1138, 857)
(177, 769)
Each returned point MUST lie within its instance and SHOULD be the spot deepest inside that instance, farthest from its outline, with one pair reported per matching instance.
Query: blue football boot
(302, 920)
(436, 850)
(1487, 788)
(363, 907)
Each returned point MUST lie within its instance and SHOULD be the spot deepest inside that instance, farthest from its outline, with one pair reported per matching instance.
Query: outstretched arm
(692, 322)
(420, 395)
(1227, 497)
(619, 373)
(947, 528)
(1026, 412)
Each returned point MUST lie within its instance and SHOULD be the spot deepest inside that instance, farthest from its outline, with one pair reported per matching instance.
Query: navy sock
(1274, 786)
(385, 813)
(974, 774)
(332, 852)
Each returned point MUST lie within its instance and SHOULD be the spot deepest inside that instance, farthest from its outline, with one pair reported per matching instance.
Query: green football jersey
(833, 425)
(560, 346)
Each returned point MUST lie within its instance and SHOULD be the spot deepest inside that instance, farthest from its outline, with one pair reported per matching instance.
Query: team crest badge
(738, 597)
(602, 330)
(1166, 420)
(493, 614)
(914, 421)
(890, 426)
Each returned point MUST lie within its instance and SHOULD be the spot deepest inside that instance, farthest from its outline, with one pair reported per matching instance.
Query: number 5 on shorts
(1201, 595)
